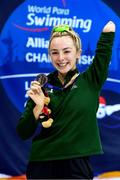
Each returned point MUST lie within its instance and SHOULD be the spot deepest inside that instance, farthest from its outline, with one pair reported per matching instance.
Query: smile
(62, 64)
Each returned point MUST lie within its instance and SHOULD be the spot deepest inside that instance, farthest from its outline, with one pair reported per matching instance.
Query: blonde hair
(66, 32)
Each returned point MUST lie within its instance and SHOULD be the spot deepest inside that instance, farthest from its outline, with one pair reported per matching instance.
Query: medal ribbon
(72, 80)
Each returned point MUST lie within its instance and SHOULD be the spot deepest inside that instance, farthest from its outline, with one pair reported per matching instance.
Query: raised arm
(98, 70)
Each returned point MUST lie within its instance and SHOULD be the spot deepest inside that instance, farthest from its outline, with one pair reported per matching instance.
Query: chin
(64, 71)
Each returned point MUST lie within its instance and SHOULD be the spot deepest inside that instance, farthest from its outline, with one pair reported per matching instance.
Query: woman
(63, 150)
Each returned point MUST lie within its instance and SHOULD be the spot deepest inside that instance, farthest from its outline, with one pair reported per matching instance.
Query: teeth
(63, 64)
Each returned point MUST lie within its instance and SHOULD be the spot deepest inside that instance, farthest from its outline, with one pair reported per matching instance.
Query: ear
(79, 53)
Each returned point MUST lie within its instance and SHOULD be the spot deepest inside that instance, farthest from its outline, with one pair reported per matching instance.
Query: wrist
(37, 111)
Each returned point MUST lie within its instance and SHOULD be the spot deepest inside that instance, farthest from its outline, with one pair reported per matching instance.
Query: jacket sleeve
(98, 70)
(27, 123)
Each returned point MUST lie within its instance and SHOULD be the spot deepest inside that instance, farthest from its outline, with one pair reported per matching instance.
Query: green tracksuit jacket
(74, 132)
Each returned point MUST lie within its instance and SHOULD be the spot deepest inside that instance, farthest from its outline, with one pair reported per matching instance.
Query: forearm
(98, 70)
(27, 123)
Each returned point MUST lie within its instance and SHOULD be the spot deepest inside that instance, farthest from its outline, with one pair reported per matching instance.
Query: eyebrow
(62, 49)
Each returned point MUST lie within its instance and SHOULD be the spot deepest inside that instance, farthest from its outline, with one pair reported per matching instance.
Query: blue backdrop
(25, 29)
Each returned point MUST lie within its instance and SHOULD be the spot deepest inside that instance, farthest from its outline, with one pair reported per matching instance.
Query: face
(63, 54)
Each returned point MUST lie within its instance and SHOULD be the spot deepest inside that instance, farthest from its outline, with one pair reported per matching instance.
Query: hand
(109, 27)
(36, 94)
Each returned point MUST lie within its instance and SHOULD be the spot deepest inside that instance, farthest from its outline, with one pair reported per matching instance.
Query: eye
(67, 51)
(54, 53)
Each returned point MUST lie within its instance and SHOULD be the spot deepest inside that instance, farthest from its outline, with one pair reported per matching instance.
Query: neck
(61, 77)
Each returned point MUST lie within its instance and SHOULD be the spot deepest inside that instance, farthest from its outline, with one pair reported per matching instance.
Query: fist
(109, 27)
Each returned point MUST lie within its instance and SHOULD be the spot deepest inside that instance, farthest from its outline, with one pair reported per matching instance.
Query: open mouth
(62, 65)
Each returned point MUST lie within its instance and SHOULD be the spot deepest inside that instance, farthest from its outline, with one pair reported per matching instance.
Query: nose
(61, 56)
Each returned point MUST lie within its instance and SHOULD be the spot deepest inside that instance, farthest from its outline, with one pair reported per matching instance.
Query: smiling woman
(63, 57)
(73, 103)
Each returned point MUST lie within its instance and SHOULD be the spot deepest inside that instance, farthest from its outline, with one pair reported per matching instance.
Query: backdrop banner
(24, 38)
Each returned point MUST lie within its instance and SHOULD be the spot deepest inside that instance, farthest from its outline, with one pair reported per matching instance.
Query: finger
(35, 88)
(30, 92)
(35, 83)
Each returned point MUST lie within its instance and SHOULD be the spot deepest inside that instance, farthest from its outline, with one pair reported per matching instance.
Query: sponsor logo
(107, 109)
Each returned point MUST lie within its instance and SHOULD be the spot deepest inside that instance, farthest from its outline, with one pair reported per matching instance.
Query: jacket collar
(54, 80)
